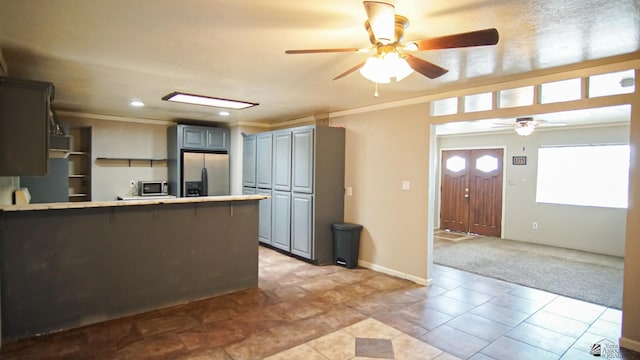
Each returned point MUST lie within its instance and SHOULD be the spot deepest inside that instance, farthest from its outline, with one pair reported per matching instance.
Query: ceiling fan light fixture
(381, 19)
(524, 129)
(381, 68)
(207, 101)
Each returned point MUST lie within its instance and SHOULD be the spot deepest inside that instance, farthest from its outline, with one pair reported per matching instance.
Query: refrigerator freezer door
(218, 173)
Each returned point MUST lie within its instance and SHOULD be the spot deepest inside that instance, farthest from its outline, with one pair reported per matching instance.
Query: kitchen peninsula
(66, 265)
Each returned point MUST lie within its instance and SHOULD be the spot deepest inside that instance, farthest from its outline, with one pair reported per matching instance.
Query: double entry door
(471, 191)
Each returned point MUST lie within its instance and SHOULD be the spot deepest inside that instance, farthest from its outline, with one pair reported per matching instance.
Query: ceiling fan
(392, 58)
(524, 126)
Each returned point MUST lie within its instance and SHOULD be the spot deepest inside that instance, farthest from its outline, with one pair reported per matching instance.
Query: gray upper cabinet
(302, 225)
(282, 160)
(281, 220)
(264, 164)
(217, 139)
(302, 161)
(249, 161)
(24, 127)
(204, 138)
(193, 137)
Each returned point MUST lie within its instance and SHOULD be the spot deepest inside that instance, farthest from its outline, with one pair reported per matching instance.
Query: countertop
(96, 204)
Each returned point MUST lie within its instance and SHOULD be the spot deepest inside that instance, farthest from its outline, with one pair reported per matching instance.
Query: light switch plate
(406, 185)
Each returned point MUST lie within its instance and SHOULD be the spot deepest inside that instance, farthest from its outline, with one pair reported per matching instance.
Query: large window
(584, 175)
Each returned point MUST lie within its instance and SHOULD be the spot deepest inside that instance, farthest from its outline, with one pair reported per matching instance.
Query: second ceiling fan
(391, 58)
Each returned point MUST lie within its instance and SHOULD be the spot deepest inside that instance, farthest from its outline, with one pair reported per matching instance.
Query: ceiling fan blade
(473, 38)
(315, 51)
(425, 68)
(382, 20)
(350, 71)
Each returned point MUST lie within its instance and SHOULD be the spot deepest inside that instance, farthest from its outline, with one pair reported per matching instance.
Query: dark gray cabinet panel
(264, 217)
(24, 127)
(302, 225)
(282, 160)
(302, 168)
(249, 160)
(281, 220)
(264, 160)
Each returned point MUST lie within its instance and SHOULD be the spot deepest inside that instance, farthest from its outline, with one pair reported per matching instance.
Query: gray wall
(595, 229)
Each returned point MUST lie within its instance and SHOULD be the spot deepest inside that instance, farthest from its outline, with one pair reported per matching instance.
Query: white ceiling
(101, 54)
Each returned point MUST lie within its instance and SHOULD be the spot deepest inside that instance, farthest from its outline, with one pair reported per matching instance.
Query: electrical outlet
(132, 183)
(534, 226)
(406, 185)
(349, 191)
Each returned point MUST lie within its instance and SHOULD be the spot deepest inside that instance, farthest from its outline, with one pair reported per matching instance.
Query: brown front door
(471, 191)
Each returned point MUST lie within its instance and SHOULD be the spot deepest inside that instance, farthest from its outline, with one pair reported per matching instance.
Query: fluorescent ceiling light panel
(208, 101)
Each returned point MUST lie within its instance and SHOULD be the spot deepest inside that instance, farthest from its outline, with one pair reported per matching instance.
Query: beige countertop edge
(96, 204)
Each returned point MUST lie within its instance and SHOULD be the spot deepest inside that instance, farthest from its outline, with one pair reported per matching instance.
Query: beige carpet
(577, 274)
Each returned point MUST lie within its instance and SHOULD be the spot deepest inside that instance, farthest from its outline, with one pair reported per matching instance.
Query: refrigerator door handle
(205, 182)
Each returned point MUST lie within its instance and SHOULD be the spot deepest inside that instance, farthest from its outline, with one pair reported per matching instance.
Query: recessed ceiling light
(224, 113)
(136, 103)
(207, 101)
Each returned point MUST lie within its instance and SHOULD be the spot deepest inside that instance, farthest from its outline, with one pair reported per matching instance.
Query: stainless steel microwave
(153, 188)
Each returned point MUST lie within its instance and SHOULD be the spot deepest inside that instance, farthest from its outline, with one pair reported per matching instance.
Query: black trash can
(346, 244)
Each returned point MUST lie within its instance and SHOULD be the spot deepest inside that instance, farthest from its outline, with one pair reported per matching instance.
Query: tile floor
(301, 311)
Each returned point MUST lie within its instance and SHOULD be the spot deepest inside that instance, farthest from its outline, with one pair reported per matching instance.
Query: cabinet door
(194, 137)
(264, 160)
(264, 217)
(282, 161)
(281, 220)
(24, 127)
(217, 139)
(303, 161)
(249, 161)
(302, 225)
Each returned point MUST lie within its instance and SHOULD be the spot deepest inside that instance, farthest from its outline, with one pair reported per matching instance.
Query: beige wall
(383, 149)
(595, 229)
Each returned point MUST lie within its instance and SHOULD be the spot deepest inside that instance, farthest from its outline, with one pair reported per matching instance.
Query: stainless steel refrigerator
(205, 173)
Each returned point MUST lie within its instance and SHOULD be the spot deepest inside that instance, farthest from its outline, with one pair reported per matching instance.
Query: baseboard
(384, 270)
(630, 344)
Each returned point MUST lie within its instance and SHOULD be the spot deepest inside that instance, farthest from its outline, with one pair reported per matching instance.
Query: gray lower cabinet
(302, 225)
(281, 220)
(248, 191)
(264, 217)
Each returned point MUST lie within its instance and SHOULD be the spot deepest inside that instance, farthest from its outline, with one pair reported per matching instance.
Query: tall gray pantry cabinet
(303, 171)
